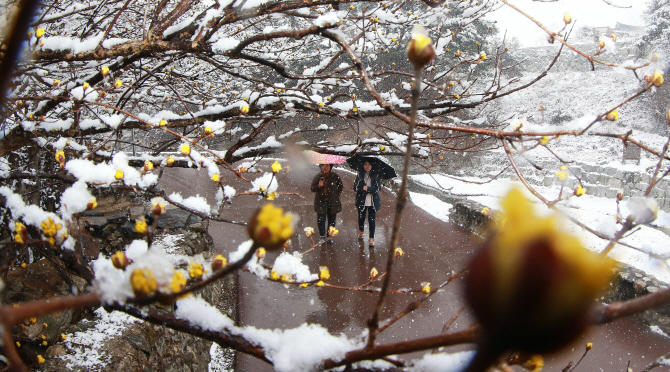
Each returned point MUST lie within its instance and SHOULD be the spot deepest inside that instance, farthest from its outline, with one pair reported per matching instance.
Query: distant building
(622, 31)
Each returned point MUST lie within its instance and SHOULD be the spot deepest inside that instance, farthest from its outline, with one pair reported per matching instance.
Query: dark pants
(371, 219)
(321, 222)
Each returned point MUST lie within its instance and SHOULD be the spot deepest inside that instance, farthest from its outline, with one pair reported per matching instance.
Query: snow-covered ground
(595, 212)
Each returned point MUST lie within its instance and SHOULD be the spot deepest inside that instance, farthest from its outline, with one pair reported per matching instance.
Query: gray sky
(584, 13)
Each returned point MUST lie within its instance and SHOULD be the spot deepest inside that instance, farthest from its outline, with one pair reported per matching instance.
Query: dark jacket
(373, 189)
(331, 200)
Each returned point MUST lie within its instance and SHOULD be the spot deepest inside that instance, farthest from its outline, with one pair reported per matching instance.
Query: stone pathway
(432, 248)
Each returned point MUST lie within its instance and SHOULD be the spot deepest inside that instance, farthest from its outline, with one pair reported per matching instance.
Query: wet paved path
(432, 248)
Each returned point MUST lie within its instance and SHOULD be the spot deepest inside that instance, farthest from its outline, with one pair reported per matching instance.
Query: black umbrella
(380, 166)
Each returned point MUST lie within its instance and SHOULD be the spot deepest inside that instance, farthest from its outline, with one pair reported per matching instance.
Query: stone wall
(599, 180)
(538, 58)
(629, 282)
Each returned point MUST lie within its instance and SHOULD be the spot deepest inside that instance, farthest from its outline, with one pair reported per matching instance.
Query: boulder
(40, 281)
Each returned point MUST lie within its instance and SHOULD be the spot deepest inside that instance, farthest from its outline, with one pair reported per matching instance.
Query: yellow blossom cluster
(143, 282)
(563, 173)
(271, 227)
(195, 270)
(20, 233)
(50, 229)
(332, 231)
(141, 225)
(309, 231)
(178, 282)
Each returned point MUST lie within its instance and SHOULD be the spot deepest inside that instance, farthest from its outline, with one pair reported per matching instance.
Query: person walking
(367, 200)
(327, 187)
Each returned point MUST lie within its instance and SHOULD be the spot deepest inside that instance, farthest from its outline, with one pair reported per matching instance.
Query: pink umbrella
(319, 158)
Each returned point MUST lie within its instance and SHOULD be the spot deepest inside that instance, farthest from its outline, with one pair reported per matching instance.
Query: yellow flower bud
(276, 167)
(185, 149)
(567, 19)
(579, 190)
(104, 70)
(517, 283)
(118, 174)
(162, 123)
(40, 32)
(169, 161)
(425, 287)
(612, 115)
(374, 273)
(324, 273)
(40, 359)
(148, 165)
(260, 253)
(216, 177)
(399, 253)
(219, 262)
(420, 51)
(86, 86)
(657, 79)
(244, 110)
(320, 283)
(92, 204)
(534, 363)
(119, 260)
(274, 275)
(118, 84)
